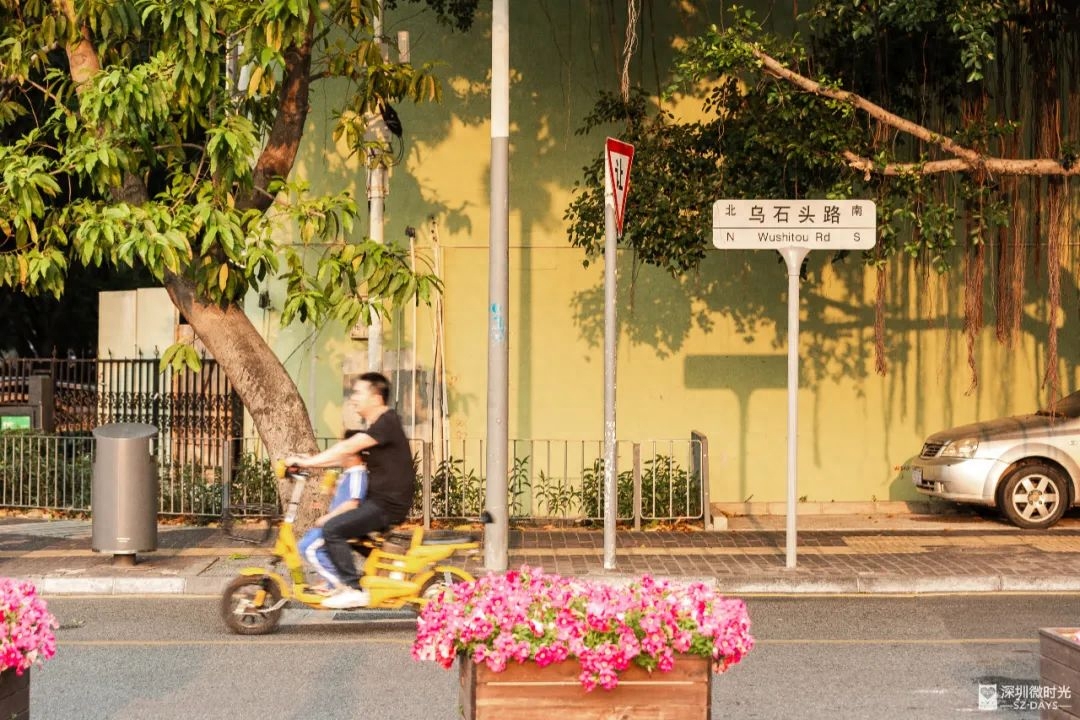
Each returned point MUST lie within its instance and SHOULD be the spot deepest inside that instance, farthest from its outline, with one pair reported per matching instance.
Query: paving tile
(200, 559)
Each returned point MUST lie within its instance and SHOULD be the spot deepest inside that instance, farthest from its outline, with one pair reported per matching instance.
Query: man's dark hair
(379, 384)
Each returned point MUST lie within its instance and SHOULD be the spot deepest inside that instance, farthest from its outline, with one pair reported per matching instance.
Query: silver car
(1028, 466)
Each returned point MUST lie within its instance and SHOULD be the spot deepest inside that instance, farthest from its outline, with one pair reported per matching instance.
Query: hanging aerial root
(881, 366)
(1056, 228)
(974, 266)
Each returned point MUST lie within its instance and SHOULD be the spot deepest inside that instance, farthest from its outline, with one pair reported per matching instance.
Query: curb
(110, 586)
(892, 585)
(852, 585)
(928, 508)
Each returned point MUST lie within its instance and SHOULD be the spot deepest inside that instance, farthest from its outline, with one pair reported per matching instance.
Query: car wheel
(1035, 496)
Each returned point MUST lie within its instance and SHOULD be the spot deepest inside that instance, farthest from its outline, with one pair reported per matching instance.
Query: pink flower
(26, 631)
(527, 615)
(551, 654)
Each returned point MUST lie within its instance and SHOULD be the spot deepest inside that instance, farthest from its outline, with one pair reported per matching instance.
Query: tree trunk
(268, 392)
(264, 386)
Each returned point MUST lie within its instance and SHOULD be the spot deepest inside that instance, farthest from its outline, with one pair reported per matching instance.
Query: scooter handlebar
(329, 477)
(281, 469)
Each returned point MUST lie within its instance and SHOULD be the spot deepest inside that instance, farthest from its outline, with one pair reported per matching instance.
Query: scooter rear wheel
(244, 613)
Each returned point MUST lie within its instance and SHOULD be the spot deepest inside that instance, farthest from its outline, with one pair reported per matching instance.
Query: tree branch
(283, 142)
(966, 158)
(83, 61)
(992, 165)
(84, 64)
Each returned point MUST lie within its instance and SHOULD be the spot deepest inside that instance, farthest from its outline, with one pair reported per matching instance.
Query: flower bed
(1059, 670)
(526, 691)
(26, 640)
(526, 616)
(27, 636)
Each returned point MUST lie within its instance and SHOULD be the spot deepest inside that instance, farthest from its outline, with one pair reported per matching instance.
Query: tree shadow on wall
(837, 312)
(836, 334)
(750, 290)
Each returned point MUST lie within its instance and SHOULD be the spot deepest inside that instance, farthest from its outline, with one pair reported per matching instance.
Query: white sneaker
(347, 598)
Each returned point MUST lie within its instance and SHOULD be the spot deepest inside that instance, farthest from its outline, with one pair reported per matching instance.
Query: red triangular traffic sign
(619, 156)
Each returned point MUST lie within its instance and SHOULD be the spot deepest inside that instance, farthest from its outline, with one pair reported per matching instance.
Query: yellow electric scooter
(401, 569)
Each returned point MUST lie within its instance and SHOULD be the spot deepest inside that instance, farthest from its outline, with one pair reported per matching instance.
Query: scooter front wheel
(444, 579)
(251, 605)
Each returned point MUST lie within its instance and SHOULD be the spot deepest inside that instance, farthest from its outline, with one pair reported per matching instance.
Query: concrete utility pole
(376, 196)
(495, 533)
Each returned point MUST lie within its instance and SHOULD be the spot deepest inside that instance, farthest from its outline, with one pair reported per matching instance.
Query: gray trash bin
(124, 491)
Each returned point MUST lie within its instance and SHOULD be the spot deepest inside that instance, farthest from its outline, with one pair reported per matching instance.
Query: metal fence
(657, 480)
(197, 415)
(55, 472)
(549, 479)
(89, 393)
(45, 471)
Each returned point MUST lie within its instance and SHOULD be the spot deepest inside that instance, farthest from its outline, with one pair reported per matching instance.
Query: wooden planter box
(1059, 666)
(530, 692)
(14, 695)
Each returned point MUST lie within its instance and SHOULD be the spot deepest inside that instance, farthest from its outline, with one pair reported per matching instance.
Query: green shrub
(455, 491)
(460, 493)
(45, 471)
(668, 491)
(664, 492)
(254, 483)
(556, 497)
(592, 492)
(517, 487)
(195, 488)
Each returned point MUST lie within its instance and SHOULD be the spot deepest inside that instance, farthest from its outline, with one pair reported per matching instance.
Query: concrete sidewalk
(835, 554)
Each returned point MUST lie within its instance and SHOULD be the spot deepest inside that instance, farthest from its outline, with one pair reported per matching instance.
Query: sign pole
(618, 157)
(610, 346)
(794, 257)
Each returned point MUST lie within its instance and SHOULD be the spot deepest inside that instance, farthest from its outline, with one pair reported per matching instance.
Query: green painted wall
(706, 352)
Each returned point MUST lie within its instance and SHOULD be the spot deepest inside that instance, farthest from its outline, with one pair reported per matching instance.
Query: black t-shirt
(391, 479)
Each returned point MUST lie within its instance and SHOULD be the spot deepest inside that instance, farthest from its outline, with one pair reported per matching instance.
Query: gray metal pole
(794, 258)
(496, 533)
(611, 339)
(376, 196)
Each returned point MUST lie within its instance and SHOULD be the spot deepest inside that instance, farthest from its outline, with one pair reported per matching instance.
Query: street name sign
(794, 228)
(810, 224)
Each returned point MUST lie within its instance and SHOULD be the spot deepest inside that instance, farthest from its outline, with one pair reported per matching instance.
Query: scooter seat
(447, 537)
(433, 537)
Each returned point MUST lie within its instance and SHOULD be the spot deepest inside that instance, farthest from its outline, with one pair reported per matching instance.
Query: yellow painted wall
(706, 352)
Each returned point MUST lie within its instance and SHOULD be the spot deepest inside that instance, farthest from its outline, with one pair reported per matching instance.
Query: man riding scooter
(392, 480)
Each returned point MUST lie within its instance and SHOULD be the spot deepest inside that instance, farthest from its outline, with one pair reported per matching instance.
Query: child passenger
(350, 491)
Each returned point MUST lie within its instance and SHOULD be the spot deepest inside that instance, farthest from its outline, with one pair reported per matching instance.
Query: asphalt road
(171, 658)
